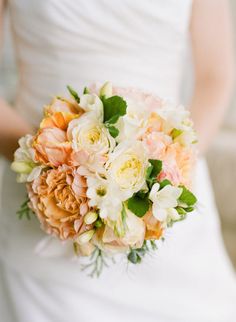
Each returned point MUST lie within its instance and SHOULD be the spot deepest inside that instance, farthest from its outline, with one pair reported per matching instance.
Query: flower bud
(85, 237)
(21, 167)
(90, 217)
(106, 90)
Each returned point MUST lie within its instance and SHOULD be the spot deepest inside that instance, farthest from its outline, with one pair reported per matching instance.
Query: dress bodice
(130, 42)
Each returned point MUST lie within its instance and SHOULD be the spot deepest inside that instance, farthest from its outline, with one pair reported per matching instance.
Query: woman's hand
(213, 56)
(12, 126)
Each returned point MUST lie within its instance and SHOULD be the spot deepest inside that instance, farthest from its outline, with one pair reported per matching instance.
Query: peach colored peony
(156, 144)
(58, 197)
(59, 113)
(178, 164)
(52, 147)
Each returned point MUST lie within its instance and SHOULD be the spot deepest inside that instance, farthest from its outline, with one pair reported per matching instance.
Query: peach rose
(59, 113)
(58, 197)
(52, 147)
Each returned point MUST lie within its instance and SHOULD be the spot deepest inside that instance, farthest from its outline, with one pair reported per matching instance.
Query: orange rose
(59, 113)
(58, 197)
(51, 147)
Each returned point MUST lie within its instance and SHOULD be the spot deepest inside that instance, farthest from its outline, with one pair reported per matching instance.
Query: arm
(12, 126)
(213, 57)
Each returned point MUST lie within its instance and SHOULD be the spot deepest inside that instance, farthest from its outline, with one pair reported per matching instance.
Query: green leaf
(134, 257)
(187, 197)
(73, 93)
(157, 167)
(180, 210)
(175, 133)
(113, 131)
(86, 90)
(164, 183)
(189, 209)
(139, 206)
(24, 211)
(148, 172)
(114, 107)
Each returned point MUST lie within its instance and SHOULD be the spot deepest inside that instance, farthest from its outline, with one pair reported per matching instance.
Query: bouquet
(108, 171)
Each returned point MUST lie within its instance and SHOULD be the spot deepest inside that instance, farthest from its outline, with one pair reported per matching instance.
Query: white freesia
(164, 202)
(176, 116)
(106, 90)
(24, 161)
(127, 166)
(104, 195)
(92, 103)
(91, 136)
(186, 138)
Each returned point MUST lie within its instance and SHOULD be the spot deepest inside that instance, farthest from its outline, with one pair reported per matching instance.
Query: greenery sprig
(24, 211)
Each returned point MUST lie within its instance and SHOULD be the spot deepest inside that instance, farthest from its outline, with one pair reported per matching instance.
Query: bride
(131, 43)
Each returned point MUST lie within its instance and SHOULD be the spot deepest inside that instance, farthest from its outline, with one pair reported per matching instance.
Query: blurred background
(221, 157)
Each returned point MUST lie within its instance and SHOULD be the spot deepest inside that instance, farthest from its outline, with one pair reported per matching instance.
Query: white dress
(131, 43)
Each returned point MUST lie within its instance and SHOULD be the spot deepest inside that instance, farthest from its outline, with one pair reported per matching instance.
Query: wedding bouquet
(108, 171)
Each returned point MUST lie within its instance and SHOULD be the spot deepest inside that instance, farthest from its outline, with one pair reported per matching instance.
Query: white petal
(173, 214)
(153, 192)
(159, 213)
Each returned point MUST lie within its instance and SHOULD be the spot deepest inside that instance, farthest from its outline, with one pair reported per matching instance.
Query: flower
(175, 116)
(91, 141)
(92, 103)
(58, 197)
(25, 163)
(154, 229)
(178, 165)
(164, 202)
(106, 90)
(156, 144)
(51, 147)
(127, 166)
(104, 195)
(59, 113)
(133, 235)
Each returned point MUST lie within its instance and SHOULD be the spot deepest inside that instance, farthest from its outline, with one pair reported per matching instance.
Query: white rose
(92, 103)
(127, 166)
(134, 122)
(88, 134)
(24, 161)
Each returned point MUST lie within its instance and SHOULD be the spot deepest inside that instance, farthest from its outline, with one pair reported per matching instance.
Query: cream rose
(90, 136)
(127, 166)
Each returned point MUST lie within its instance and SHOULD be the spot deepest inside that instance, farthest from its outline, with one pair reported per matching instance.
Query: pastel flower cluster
(109, 170)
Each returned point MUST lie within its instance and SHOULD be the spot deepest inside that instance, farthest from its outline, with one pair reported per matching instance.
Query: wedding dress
(131, 43)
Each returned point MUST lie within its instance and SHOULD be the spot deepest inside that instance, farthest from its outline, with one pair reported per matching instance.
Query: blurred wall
(221, 157)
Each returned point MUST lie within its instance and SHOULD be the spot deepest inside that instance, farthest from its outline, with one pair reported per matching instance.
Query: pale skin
(213, 57)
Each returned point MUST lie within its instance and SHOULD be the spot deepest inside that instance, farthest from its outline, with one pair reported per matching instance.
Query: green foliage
(175, 133)
(114, 108)
(139, 205)
(24, 211)
(86, 90)
(113, 131)
(136, 254)
(152, 171)
(96, 264)
(164, 183)
(73, 93)
(187, 197)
